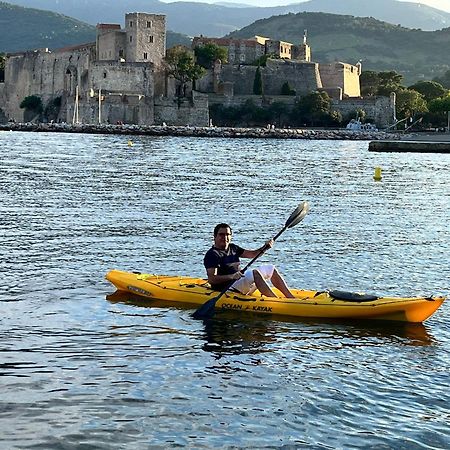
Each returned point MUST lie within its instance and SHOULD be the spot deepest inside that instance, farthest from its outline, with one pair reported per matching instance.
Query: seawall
(220, 132)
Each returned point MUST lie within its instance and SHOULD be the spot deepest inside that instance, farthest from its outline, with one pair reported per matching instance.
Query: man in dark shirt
(222, 262)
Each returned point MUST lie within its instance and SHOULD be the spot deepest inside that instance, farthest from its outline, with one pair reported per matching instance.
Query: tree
(429, 89)
(257, 82)
(33, 107)
(409, 103)
(389, 82)
(2, 67)
(440, 105)
(369, 83)
(444, 79)
(208, 53)
(181, 65)
(315, 109)
(380, 83)
(287, 90)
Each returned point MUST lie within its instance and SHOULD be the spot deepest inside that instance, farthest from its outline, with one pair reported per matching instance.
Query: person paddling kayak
(222, 263)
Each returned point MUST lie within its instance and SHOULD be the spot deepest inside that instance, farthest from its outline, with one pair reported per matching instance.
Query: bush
(32, 103)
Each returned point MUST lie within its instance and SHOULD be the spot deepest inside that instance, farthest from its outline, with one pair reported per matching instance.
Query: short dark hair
(221, 225)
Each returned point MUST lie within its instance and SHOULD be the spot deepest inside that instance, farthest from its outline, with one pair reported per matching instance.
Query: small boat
(318, 304)
(357, 125)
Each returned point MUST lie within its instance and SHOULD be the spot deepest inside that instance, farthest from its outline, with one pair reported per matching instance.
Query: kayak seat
(352, 296)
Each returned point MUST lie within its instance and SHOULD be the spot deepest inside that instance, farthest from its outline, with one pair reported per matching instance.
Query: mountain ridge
(216, 20)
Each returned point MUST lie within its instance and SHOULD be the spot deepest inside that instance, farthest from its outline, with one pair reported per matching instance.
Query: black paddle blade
(298, 215)
(206, 311)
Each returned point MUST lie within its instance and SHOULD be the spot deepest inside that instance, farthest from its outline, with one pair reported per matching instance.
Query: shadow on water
(229, 332)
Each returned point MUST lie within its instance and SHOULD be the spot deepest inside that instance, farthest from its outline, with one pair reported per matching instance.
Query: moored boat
(319, 304)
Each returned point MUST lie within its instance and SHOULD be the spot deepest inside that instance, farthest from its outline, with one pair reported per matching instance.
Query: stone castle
(121, 78)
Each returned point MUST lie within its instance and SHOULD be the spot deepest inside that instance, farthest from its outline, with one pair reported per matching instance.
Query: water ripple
(82, 368)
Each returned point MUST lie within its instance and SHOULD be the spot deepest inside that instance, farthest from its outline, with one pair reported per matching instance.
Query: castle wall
(111, 46)
(240, 51)
(3, 117)
(380, 110)
(45, 74)
(303, 77)
(192, 111)
(341, 75)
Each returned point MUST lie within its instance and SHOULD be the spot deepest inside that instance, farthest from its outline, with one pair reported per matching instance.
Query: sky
(444, 5)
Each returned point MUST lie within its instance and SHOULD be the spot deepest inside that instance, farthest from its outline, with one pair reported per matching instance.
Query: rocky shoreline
(188, 131)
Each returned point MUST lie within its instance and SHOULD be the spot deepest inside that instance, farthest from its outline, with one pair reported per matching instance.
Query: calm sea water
(81, 368)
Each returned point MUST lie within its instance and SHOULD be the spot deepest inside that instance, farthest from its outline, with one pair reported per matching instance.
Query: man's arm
(213, 278)
(253, 253)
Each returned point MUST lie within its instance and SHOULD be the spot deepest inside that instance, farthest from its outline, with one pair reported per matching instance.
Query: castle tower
(302, 52)
(145, 37)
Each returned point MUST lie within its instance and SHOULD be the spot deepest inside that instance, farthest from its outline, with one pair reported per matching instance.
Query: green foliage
(2, 67)
(410, 103)
(429, 89)
(312, 109)
(389, 81)
(52, 109)
(32, 103)
(261, 61)
(440, 105)
(444, 80)
(369, 82)
(27, 28)
(208, 53)
(257, 82)
(380, 83)
(180, 63)
(287, 90)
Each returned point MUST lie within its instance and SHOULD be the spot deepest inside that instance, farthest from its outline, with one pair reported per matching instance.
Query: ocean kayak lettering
(139, 291)
(262, 308)
(253, 308)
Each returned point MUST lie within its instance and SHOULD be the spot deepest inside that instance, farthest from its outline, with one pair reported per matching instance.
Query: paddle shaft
(263, 250)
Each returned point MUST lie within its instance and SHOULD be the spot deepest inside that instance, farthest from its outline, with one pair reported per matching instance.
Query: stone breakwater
(187, 131)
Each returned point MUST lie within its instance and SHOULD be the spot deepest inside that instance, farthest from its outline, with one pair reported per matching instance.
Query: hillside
(194, 19)
(27, 29)
(378, 45)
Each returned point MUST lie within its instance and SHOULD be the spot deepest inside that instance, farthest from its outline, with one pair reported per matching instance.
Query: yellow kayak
(320, 304)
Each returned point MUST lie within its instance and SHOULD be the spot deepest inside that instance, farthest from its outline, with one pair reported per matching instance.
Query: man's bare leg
(279, 283)
(262, 285)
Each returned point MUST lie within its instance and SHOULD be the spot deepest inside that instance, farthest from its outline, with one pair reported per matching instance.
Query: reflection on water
(77, 371)
(229, 332)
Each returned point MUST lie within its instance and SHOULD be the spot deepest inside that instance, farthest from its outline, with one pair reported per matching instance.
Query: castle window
(121, 53)
(131, 24)
(149, 23)
(104, 74)
(150, 39)
(131, 38)
(145, 55)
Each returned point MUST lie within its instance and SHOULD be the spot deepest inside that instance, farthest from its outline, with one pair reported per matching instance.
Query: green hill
(26, 28)
(416, 54)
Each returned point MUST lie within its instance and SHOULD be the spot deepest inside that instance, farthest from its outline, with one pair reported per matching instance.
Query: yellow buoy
(130, 143)
(377, 174)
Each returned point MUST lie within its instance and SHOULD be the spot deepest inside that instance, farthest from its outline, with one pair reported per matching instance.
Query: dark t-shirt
(225, 261)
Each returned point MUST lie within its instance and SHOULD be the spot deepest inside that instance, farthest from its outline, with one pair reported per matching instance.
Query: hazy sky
(440, 4)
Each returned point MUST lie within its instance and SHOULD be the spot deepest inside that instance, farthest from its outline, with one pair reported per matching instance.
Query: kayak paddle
(207, 309)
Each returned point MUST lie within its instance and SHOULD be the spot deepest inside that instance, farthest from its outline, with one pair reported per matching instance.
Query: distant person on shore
(222, 265)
